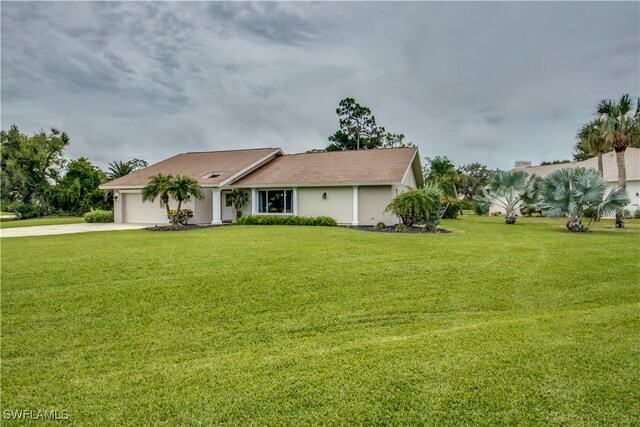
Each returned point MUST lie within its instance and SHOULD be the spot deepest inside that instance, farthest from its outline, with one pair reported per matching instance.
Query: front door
(227, 209)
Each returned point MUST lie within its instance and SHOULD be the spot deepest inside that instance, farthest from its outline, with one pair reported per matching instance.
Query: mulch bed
(392, 229)
(389, 229)
(178, 227)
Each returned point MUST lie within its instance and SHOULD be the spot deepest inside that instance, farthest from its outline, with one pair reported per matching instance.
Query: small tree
(412, 207)
(77, 192)
(157, 188)
(620, 126)
(237, 199)
(118, 168)
(507, 189)
(438, 206)
(181, 186)
(569, 192)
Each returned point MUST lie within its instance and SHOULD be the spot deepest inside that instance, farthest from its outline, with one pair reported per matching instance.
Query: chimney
(521, 164)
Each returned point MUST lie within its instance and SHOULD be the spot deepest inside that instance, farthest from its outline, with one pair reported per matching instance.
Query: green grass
(490, 325)
(54, 220)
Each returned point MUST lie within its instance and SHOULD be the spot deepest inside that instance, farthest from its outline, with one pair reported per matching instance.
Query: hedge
(286, 220)
(97, 215)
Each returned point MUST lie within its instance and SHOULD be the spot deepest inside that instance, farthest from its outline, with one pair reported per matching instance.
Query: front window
(275, 201)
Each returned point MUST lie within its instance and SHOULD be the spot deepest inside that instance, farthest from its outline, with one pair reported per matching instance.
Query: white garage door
(135, 211)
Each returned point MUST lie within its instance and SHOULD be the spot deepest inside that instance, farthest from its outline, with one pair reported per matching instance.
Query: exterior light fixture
(324, 196)
(189, 196)
(116, 196)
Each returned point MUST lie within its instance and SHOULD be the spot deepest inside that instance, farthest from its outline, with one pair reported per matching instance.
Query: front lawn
(285, 325)
(53, 220)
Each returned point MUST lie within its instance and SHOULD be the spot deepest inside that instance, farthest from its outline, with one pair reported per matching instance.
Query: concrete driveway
(47, 230)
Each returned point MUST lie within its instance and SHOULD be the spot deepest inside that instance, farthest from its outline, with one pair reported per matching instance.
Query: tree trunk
(575, 224)
(600, 168)
(622, 183)
(165, 200)
(596, 216)
(510, 217)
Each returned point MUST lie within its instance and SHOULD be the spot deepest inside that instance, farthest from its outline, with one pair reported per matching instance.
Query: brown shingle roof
(609, 166)
(337, 167)
(198, 165)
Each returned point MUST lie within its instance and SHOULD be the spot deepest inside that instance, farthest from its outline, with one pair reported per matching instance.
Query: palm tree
(591, 137)
(237, 199)
(507, 189)
(441, 172)
(573, 190)
(412, 206)
(157, 187)
(620, 125)
(118, 168)
(181, 186)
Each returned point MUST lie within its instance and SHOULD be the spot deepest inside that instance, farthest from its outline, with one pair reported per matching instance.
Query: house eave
(315, 184)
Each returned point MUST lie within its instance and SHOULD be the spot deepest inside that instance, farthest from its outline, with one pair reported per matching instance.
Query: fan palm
(157, 187)
(620, 125)
(507, 189)
(118, 168)
(570, 191)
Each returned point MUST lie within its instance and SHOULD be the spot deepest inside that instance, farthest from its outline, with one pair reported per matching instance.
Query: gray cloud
(488, 82)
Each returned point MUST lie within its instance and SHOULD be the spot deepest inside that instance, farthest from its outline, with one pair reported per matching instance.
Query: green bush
(98, 215)
(636, 214)
(481, 209)
(453, 210)
(627, 214)
(467, 204)
(286, 220)
(380, 226)
(401, 228)
(27, 211)
(530, 210)
(436, 195)
(589, 212)
(412, 206)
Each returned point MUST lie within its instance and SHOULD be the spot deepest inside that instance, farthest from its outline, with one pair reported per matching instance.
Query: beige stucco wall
(202, 213)
(410, 179)
(129, 208)
(338, 204)
(372, 202)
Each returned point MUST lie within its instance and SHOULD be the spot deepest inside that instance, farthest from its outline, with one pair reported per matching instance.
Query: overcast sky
(489, 82)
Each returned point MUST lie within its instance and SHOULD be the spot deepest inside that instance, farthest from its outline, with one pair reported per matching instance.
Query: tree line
(36, 180)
